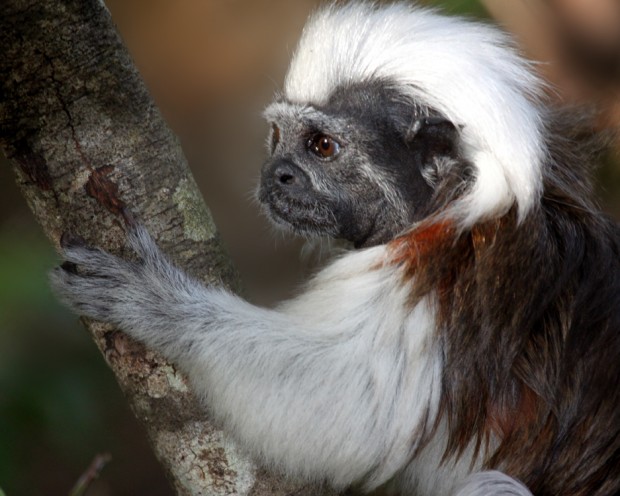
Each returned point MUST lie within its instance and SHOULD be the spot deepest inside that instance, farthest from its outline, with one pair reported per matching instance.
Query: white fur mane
(466, 70)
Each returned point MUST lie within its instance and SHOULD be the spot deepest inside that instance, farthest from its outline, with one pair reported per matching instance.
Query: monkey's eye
(275, 137)
(323, 146)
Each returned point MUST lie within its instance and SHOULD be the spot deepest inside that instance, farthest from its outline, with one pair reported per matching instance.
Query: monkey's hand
(136, 295)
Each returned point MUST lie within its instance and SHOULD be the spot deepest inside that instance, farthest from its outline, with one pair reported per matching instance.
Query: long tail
(492, 483)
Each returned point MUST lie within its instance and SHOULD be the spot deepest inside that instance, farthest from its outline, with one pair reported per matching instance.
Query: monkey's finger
(143, 244)
(129, 218)
(69, 267)
(86, 296)
(94, 262)
(69, 239)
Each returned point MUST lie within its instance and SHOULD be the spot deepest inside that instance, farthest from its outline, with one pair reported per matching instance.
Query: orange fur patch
(415, 248)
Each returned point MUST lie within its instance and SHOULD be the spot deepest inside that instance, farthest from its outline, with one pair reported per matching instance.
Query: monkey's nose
(288, 175)
(285, 176)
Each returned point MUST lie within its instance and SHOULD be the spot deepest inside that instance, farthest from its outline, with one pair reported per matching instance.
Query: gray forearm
(286, 386)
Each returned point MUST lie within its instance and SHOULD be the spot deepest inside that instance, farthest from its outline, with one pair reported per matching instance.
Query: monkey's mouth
(310, 216)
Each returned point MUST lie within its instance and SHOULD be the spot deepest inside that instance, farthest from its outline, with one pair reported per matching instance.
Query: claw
(129, 218)
(69, 267)
(71, 240)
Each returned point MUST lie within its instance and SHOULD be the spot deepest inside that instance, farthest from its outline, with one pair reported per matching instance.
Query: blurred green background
(211, 66)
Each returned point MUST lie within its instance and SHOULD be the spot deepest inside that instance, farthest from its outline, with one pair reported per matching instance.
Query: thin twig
(91, 474)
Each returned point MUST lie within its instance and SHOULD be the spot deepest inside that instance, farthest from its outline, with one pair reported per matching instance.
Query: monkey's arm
(323, 387)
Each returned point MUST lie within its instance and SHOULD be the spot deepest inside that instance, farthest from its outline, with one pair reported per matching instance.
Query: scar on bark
(100, 187)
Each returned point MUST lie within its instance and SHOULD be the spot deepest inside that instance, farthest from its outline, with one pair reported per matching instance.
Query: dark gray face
(361, 168)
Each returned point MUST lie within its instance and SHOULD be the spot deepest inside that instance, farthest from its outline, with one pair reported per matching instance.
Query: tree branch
(88, 145)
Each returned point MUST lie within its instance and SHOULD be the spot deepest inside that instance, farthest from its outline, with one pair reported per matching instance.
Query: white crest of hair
(466, 70)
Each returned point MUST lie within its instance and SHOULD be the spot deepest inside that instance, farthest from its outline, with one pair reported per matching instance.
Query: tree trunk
(89, 148)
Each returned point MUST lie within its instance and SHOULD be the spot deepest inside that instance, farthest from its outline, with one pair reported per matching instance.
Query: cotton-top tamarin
(470, 338)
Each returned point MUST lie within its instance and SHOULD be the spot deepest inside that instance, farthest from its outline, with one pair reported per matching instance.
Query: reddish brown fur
(435, 256)
(531, 354)
(416, 248)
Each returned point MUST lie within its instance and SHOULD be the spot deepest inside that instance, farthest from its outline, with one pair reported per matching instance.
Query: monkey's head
(404, 115)
(361, 167)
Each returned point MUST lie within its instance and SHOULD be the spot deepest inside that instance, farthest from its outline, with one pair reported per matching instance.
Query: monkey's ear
(434, 143)
(434, 137)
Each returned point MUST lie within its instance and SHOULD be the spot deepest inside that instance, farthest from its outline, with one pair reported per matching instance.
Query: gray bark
(88, 146)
